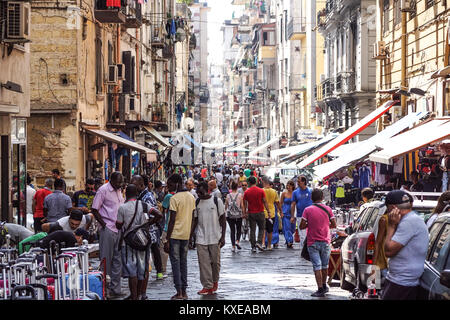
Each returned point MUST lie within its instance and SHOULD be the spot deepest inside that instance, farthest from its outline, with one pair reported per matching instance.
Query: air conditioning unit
(18, 20)
(149, 85)
(112, 74)
(379, 50)
(405, 6)
(120, 71)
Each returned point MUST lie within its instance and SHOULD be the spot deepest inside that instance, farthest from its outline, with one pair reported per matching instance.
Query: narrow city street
(279, 274)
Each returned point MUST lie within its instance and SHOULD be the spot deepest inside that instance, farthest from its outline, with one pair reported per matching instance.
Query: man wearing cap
(70, 223)
(406, 247)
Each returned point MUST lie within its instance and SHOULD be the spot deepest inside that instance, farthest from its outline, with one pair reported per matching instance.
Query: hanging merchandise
(355, 176)
(398, 165)
(113, 3)
(340, 192)
(364, 176)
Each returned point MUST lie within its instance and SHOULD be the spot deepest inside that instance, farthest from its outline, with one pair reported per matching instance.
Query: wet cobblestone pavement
(279, 274)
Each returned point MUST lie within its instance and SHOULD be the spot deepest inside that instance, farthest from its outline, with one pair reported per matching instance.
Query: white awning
(151, 154)
(348, 134)
(344, 149)
(357, 151)
(157, 136)
(264, 146)
(429, 132)
(294, 150)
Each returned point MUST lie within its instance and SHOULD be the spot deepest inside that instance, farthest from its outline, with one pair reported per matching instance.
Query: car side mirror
(445, 278)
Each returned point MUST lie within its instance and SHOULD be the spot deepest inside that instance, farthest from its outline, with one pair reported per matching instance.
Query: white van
(286, 173)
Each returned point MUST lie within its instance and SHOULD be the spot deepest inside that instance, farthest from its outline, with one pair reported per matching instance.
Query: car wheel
(345, 285)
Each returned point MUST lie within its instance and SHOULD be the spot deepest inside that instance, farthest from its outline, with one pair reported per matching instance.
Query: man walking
(58, 204)
(105, 208)
(56, 175)
(38, 204)
(181, 210)
(301, 199)
(272, 201)
(82, 199)
(318, 218)
(135, 263)
(213, 190)
(406, 247)
(209, 219)
(255, 202)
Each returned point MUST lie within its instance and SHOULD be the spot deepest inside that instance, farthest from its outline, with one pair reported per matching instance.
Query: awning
(360, 150)
(301, 148)
(157, 136)
(264, 146)
(151, 154)
(424, 134)
(348, 134)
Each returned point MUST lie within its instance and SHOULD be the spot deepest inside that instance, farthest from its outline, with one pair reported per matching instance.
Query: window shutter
(126, 60)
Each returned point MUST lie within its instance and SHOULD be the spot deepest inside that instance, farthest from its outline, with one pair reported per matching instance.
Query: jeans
(178, 260)
(235, 229)
(444, 181)
(319, 252)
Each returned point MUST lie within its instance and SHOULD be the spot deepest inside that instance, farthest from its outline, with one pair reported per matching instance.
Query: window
(397, 13)
(429, 3)
(441, 247)
(372, 219)
(268, 38)
(434, 232)
(359, 220)
(413, 7)
(386, 16)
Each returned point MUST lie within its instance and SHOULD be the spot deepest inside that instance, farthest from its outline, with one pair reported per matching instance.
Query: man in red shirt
(38, 204)
(254, 204)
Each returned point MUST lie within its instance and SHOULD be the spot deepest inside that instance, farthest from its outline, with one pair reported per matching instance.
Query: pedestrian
(105, 208)
(171, 190)
(30, 195)
(56, 175)
(406, 247)
(182, 206)
(213, 190)
(443, 205)
(234, 208)
(243, 186)
(135, 263)
(159, 190)
(210, 226)
(288, 220)
(148, 198)
(272, 201)
(318, 219)
(82, 199)
(301, 199)
(38, 204)
(74, 221)
(417, 185)
(219, 177)
(190, 185)
(254, 204)
(242, 177)
(57, 204)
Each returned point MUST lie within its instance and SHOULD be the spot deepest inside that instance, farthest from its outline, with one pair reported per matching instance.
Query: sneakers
(233, 249)
(160, 276)
(238, 246)
(326, 289)
(215, 287)
(269, 248)
(253, 249)
(260, 247)
(319, 293)
(205, 292)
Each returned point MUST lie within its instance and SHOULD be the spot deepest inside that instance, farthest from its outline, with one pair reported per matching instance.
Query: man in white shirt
(74, 221)
(30, 196)
(219, 177)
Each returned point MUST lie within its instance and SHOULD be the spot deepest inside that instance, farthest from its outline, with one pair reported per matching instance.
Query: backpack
(234, 212)
(140, 237)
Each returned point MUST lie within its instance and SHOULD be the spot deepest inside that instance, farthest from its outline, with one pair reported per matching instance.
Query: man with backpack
(135, 262)
(209, 220)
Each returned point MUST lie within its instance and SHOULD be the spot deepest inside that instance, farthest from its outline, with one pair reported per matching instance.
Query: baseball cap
(398, 197)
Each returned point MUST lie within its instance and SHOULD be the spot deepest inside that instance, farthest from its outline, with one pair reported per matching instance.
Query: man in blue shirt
(406, 247)
(301, 199)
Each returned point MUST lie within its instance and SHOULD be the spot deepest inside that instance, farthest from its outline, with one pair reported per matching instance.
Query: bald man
(213, 190)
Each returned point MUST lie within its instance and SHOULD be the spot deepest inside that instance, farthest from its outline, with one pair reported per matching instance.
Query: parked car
(359, 247)
(435, 280)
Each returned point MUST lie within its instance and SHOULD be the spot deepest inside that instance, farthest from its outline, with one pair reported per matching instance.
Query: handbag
(139, 238)
(305, 252)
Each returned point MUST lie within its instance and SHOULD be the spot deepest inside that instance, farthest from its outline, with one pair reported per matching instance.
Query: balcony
(345, 83)
(328, 88)
(106, 14)
(297, 28)
(156, 39)
(133, 14)
(267, 53)
(297, 83)
(158, 117)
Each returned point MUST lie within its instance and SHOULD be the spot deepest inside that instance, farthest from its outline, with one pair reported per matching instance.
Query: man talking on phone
(406, 247)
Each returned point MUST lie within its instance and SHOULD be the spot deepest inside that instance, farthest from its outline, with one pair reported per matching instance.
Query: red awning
(348, 134)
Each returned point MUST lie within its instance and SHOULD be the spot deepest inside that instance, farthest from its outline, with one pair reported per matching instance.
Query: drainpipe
(138, 75)
(116, 88)
(404, 82)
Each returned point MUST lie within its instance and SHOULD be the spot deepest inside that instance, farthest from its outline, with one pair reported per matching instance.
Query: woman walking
(287, 220)
(234, 208)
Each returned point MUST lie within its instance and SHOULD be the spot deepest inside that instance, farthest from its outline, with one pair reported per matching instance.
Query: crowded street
(196, 152)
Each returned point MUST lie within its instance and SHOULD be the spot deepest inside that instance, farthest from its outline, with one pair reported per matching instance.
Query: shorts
(269, 225)
(319, 253)
(134, 263)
